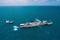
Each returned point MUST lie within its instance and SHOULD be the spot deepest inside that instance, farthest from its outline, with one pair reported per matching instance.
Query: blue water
(22, 14)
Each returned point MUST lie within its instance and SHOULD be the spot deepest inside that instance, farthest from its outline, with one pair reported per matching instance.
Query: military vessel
(37, 22)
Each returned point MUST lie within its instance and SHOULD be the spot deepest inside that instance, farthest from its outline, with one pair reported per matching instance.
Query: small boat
(37, 22)
(9, 22)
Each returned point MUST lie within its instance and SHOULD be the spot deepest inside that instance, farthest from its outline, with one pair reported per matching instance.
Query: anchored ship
(9, 22)
(37, 22)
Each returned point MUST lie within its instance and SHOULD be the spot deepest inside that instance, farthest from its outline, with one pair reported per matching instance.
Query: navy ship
(37, 22)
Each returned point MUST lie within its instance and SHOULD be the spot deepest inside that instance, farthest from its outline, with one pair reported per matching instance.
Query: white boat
(9, 21)
(37, 22)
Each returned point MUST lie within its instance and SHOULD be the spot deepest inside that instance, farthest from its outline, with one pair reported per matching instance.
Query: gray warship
(37, 22)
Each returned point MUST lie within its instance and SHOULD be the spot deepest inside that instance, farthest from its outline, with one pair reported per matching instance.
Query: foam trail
(15, 28)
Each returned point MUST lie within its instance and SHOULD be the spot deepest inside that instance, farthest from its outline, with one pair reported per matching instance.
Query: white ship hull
(29, 25)
(35, 23)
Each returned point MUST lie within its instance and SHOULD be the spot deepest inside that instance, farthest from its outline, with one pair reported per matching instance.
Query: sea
(23, 14)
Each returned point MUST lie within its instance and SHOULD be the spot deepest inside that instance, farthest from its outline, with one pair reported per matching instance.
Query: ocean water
(22, 14)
